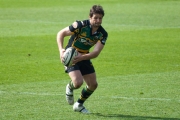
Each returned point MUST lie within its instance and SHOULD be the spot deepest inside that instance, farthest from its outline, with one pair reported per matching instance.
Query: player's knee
(77, 84)
(93, 86)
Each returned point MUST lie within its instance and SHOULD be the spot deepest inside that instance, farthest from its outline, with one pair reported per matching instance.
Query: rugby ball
(68, 56)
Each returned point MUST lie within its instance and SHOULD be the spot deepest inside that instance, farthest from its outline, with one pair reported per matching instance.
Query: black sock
(85, 93)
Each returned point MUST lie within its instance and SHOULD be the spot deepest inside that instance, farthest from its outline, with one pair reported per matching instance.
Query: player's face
(96, 20)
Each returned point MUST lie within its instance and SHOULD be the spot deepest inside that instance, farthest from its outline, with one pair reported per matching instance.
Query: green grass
(138, 71)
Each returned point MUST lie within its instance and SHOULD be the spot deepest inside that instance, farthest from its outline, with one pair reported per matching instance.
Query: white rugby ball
(69, 55)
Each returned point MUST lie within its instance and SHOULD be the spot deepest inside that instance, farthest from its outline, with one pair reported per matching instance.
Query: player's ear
(90, 17)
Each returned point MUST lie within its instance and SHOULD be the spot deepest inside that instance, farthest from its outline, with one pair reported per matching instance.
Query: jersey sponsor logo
(86, 42)
(83, 40)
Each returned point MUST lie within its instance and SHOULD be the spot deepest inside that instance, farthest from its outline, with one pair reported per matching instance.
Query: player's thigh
(91, 81)
(76, 78)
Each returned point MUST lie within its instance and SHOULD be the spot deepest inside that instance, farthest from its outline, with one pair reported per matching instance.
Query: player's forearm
(60, 40)
(90, 55)
(96, 51)
(60, 37)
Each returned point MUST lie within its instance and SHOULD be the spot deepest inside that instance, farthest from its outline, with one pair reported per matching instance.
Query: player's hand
(61, 54)
(77, 58)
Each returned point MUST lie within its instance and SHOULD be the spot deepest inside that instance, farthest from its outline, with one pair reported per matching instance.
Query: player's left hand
(77, 58)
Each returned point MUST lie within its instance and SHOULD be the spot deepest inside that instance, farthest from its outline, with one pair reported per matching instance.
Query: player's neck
(94, 29)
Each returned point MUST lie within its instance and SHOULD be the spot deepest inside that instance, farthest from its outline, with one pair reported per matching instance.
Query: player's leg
(89, 76)
(76, 79)
(75, 83)
(91, 82)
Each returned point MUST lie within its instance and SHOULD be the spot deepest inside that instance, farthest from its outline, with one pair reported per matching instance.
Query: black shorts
(85, 67)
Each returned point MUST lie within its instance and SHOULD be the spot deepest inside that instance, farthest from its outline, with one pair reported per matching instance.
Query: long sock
(85, 93)
(71, 85)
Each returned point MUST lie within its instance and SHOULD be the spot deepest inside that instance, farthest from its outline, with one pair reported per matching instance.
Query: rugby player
(83, 35)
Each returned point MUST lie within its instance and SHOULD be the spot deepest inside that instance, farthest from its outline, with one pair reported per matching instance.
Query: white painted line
(31, 93)
(114, 97)
(157, 99)
(43, 94)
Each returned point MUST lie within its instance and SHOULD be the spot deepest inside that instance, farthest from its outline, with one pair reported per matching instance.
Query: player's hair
(96, 9)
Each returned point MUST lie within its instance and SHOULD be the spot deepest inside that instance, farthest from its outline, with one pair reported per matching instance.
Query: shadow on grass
(132, 117)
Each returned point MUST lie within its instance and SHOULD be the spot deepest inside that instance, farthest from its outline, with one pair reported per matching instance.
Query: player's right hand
(61, 54)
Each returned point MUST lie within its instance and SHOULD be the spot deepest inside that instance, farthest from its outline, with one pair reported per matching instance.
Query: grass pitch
(138, 71)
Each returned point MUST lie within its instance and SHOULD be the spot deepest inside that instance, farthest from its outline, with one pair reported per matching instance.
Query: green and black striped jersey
(83, 39)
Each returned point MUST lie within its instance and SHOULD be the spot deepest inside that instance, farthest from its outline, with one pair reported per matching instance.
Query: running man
(83, 35)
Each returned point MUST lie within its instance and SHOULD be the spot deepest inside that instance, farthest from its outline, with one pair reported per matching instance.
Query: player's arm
(96, 51)
(60, 37)
(60, 40)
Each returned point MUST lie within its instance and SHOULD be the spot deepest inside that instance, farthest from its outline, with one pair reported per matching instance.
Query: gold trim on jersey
(80, 50)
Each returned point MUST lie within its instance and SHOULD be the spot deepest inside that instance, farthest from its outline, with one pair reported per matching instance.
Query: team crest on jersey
(76, 31)
(84, 34)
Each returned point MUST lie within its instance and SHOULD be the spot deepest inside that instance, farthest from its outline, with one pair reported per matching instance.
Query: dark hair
(96, 9)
